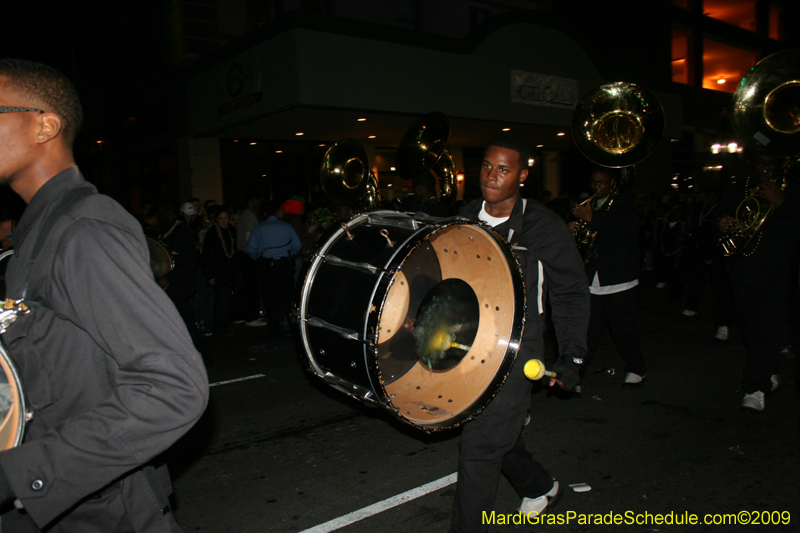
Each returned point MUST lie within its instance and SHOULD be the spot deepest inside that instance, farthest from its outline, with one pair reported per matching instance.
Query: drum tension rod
(385, 234)
(349, 235)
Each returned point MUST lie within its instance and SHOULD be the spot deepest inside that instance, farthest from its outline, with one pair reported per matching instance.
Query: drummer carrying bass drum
(492, 443)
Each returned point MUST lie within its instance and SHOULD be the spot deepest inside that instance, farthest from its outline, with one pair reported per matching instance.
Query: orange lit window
(725, 65)
(681, 56)
(775, 23)
(740, 13)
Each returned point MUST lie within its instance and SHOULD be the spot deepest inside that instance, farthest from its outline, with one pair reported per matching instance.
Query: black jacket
(775, 248)
(552, 267)
(107, 366)
(217, 261)
(616, 253)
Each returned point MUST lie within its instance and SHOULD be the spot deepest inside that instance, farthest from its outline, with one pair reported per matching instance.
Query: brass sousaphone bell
(345, 176)
(616, 125)
(422, 150)
(765, 118)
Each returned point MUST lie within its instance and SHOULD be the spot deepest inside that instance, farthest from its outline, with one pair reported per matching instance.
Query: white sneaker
(536, 506)
(754, 401)
(722, 333)
(689, 312)
(775, 382)
(632, 380)
(256, 323)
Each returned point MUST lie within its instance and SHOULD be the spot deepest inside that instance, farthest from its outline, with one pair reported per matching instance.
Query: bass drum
(161, 261)
(12, 403)
(5, 257)
(422, 317)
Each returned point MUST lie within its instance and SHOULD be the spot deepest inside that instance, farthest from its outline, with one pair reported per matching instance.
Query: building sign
(239, 103)
(540, 89)
(239, 85)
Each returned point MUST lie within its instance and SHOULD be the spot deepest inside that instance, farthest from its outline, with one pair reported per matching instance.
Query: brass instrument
(616, 125)
(584, 236)
(766, 118)
(345, 176)
(422, 150)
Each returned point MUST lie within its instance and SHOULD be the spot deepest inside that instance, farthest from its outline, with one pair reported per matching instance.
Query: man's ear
(523, 175)
(50, 127)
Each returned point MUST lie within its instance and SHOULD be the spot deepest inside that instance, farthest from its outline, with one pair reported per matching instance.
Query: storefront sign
(540, 89)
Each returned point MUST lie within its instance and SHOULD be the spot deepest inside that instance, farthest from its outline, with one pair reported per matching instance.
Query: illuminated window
(740, 13)
(725, 65)
(775, 23)
(757, 16)
(682, 56)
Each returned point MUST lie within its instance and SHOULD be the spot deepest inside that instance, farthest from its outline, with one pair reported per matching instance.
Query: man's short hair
(45, 87)
(271, 207)
(612, 173)
(510, 141)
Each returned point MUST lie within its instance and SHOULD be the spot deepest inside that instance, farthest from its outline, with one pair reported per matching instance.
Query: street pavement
(282, 451)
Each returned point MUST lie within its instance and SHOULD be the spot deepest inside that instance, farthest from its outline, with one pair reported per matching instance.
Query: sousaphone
(345, 176)
(765, 118)
(423, 150)
(616, 125)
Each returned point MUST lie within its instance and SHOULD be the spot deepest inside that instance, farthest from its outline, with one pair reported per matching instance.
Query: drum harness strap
(540, 285)
(13, 309)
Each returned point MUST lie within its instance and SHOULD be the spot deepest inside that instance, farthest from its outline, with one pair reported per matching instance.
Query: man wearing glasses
(108, 368)
(613, 272)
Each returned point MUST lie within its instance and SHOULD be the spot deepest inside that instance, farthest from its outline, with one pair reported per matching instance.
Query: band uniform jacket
(552, 269)
(774, 249)
(616, 253)
(107, 367)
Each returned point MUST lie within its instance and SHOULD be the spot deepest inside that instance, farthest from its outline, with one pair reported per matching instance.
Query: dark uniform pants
(490, 445)
(618, 311)
(277, 285)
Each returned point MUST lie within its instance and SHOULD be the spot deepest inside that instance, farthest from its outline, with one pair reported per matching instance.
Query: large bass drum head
(450, 325)
(12, 403)
(5, 257)
(160, 258)
(422, 317)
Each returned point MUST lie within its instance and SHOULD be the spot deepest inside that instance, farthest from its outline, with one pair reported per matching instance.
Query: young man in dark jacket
(613, 272)
(107, 365)
(492, 443)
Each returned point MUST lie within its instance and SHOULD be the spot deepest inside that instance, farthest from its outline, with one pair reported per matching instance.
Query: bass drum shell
(161, 261)
(5, 257)
(364, 290)
(12, 403)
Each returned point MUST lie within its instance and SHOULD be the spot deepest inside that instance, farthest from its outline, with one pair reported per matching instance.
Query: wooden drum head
(450, 325)
(12, 403)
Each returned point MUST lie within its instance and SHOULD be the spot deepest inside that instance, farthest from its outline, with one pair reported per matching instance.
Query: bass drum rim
(428, 410)
(161, 261)
(12, 426)
(431, 413)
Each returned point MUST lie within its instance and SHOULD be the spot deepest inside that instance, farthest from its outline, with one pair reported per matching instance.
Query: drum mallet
(534, 370)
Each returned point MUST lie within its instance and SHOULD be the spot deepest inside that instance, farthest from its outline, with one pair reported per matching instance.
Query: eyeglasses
(4, 109)
(599, 182)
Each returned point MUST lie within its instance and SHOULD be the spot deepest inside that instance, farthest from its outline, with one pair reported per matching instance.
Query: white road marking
(254, 376)
(375, 508)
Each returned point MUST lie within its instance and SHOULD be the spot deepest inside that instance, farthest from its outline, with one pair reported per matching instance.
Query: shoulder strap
(61, 206)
